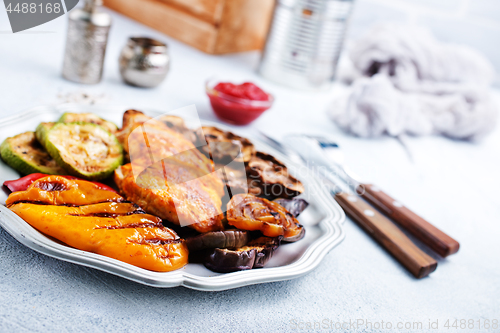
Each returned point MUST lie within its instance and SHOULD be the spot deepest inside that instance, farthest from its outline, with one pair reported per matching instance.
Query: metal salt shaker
(144, 62)
(304, 42)
(88, 30)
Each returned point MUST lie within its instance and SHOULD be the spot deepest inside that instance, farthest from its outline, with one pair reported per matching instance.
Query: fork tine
(267, 137)
(282, 148)
(323, 142)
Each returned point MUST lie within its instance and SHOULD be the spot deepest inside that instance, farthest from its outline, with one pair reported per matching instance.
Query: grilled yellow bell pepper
(83, 216)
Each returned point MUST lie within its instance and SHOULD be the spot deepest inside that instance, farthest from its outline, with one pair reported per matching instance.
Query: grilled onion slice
(248, 212)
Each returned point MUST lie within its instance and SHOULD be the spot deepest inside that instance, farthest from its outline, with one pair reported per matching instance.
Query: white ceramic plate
(322, 219)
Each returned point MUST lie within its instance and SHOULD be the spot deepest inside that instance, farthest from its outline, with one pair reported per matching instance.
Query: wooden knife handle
(387, 234)
(437, 240)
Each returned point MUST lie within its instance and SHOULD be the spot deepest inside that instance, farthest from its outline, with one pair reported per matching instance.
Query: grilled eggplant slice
(84, 150)
(254, 255)
(91, 118)
(270, 178)
(223, 146)
(233, 178)
(218, 239)
(26, 155)
(264, 249)
(178, 125)
(294, 206)
(227, 260)
(248, 212)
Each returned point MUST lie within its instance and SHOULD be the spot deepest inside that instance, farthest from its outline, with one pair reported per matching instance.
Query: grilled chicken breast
(168, 176)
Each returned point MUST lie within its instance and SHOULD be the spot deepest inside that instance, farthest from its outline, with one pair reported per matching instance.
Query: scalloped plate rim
(331, 225)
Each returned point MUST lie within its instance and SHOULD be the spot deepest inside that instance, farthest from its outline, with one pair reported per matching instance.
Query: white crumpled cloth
(412, 84)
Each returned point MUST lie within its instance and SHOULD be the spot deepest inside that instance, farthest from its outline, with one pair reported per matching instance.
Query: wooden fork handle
(387, 234)
(437, 240)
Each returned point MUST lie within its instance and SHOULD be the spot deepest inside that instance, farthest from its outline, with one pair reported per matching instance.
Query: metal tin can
(144, 62)
(86, 42)
(304, 42)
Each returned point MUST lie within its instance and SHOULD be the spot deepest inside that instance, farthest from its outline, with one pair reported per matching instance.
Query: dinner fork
(373, 222)
(434, 238)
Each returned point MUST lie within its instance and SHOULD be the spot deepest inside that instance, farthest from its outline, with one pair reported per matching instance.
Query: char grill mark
(41, 203)
(133, 226)
(157, 241)
(51, 186)
(112, 215)
(34, 202)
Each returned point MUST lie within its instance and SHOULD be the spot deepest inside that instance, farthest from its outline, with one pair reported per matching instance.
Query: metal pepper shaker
(88, 30)
(144, 62)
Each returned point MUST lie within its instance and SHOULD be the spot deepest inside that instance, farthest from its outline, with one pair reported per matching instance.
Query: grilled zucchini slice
(83, 149)
(26, 155)
(91, 118)
(41, 132)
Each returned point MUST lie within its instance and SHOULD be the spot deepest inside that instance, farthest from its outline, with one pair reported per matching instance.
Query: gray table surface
(453, 184)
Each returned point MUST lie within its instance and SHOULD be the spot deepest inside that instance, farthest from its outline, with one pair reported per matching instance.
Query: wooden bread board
(212, 26)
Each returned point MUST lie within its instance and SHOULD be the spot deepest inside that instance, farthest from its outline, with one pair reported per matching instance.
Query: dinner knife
(379, 227)
(434, 238)
(387, 234)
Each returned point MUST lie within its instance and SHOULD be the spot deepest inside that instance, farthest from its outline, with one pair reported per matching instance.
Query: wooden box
(212, 26)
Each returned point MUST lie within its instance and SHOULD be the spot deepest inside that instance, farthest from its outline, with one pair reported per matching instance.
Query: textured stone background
(453, 184)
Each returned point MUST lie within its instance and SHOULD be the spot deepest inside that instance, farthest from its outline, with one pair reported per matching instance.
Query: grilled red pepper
(22, 183)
